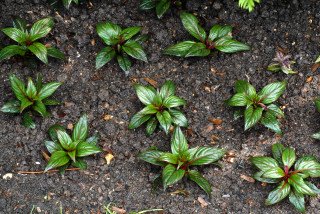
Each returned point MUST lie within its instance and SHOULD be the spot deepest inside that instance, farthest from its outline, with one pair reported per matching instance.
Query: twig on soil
(42, 172)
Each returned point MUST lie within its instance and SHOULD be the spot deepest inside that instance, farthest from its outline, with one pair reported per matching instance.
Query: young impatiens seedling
(317, 135)
(120, 44)
(66, 150)
(28, 40)
(259, 107)
(291, 174)
(219, 38)
(33, 97)
(162, 6)
(248, 4)
(282, 63)
(160, 106)
(177, 163)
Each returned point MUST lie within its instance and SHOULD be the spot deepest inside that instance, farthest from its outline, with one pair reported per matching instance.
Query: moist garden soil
(109, 99)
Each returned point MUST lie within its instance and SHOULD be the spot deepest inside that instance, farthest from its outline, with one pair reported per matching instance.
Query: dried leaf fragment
(107, 117)
(108, 158)
(247, 178)
(118, 210)
(202, 202)
(180, 192)
(215, 121)
(151, 82)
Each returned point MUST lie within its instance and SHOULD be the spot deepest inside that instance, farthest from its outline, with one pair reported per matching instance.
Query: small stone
(7, 176)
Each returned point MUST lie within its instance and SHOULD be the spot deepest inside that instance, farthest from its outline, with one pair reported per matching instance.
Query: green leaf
(178, 118)
(308, 166)
(141, 38)
(264, 163)
(179, 142)
(15, 34)
(277, 150)
(299, 185)
(316, 136)
(10, 51)
(151, 126)
(31, 89)
(181, 49)
(137, 120)
(200, 180)
(165, 120)
(313, 187)
(48, 89)
(276, 172)
(149, 109)
(57, 159)
(41, 28)
(274, 67)
(248, 4)
(317, 102)
(72, 155)
(104, 56)
(20, 24)
(109, 32)
(252, 116)
(135, 50)
(297, 200)
(238, 99)
(80, 163)
(278, 193)
(53, 131)
(191, 24)
(167, 89)
(25, 104)
(274, 109)
(288, 157)
(218, 31)
(318, 60)
(27, 121)
(67, 3)
(228, 45)
(51, 102)
(52, 146)
(270, 121)
(147, 4)
(169, 158)
(40, 108)
(152, 156)
(12, 106)
(80, 130)
(94, 138)
(206, 155)
(18, 87)
(85, 149)
(198, 49)
(145, 94)
(162, 7)
(129, 32)
(65, 140)
(53, 52)
(39, 82)
(243, 86)
(124, 63)
(173, 101)
(171, 175)
(40, 51)
(258, 176)
(272, 92)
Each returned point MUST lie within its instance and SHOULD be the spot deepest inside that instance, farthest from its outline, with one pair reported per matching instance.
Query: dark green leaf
(124, 63)
(15, 34)
(18, 87)
(243, 86)
(134, 49)
(109, 32)
(272, 92)
(278, 193)
(141, 38)
(300, 186)
(80, 130)
(218, 31)
(198, 49)
(258, 177)
(104, 56)
(179, 142)
(238, 99)
(65, 140)
(58, 158)
(252, 116)
(270, 121)
(165, 120)
(274, 109)
(288, 157)
(12, 106)
(171, 175)
(147, 4)
(145, 94)
(39, 82)
(297, 200)
(85, 149)
(40, 51)
(31, 89)
(228, 45)
(152, 156)
(178, 118)
(137, 120)
(167, 89)
(317, 102)
(181, 49)
(20, 24)
(41, 28)
(10, 51)
(94, 138)
(40, 108)
(27, 121)
(274, 67)
(53, 52)
(25, 104)
(80, 163)
(200, 180)
(191, 24)
(206, 155)
(275, 172)
(72, 155)
(173, 101)
(162, 7)
(53, 131)
(67, 3)
(52, 146)
(277, 150)
(129, 32)
(48, 89)
(264, 163)
(169, 158)
(151, 126)
(149, 109)
(62, 169)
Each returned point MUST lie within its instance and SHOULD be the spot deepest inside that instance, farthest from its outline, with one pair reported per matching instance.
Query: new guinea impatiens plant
(66, 150)
(248, 4)
(121, 43)
(282, 63)
(289, 174)
(219, 38)
(259, 106)
(28, 40)
(31, 98)
(179, 162)
(161, 6)
(161, 106)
